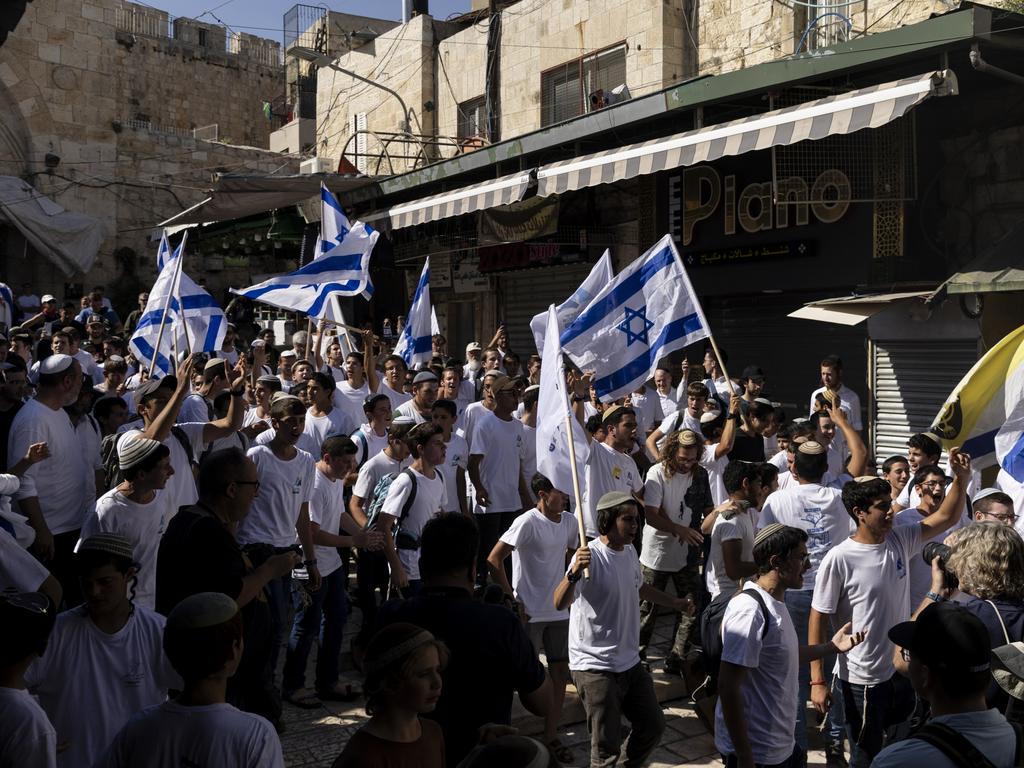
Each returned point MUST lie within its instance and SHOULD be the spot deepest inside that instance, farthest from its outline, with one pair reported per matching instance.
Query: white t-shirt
(648, 412)
(538, 561)
(319, 428)
(411, 411)
(374, 443)
(818, 511)
(87, 432)
(58, 481)
(352, 399)
(90, 683)
(89, 367)
(170, 735)
(181, 486)
(716, 472)
(868, 584)
(466, 395)
(19, 571)
(31, 301)
(27, 739)
(663, 551)
(503, 447)
(326, 506)
(456, 457)
(740, 528)
(920, 571)
(529, 468)
(849, 403)
(396, 398)
(769, 689)
(473, 413)
(251, 416)
(306, 441)
(669, 403)
(337, 373)
(194, 408)
(142, 525)
(674, 422)
(430, 499)
(606, 470)
(284, 487)
(988, 731)
(604, 618)
(371, 472)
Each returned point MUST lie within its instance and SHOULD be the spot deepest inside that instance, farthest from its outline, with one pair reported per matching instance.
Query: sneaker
(835, 757)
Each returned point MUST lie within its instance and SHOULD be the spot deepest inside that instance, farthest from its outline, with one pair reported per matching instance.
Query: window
(202, 37)
(357, 146)
(582, 85)
(473, 118)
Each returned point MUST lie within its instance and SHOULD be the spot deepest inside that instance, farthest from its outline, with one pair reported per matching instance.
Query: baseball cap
(947, 636)
(48, 298)
(473, 346)
(501, 383)
(150, 387)
(423, 376)
(614, 499)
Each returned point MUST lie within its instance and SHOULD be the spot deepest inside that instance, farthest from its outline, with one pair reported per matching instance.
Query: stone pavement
(314, 738)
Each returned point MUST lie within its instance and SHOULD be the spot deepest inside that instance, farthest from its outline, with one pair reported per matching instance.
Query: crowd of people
(173, 548)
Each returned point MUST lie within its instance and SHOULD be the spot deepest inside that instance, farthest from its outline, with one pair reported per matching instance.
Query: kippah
(280, 396)
(214, 361)
(609, 411)
(984, 493)
(764, 401)
(110, 543)
(709, 416)
(268, 379)
(688, 437)
(933, 437)
(811, 448)
(531, 388)
(424, 376)
(134, 450)
(284, 403)
(201, 610)
(56, 363)
(767, 531)
(400, 418)
(865, 478)
(289, 353)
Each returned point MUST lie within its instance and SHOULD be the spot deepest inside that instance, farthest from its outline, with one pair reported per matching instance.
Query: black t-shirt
(747, 448)
(491, 655)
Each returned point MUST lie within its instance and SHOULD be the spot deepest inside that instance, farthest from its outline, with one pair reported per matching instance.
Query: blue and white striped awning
(840, 114)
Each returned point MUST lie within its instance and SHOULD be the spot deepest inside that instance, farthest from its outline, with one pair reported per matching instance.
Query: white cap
(56, 364)
(134, 450)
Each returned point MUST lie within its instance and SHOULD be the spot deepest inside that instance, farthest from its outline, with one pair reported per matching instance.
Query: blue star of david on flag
(626, 326)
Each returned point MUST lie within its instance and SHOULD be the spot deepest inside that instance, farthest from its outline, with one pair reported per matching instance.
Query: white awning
(844, 113)
(852, 310)
(489, 194)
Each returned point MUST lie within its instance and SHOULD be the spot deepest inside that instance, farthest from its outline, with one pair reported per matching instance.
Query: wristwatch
(573, 577)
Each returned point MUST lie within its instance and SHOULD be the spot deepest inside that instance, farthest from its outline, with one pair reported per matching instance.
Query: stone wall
(117, 108)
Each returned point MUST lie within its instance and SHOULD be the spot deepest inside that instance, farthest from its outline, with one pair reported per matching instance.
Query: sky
(264, 17)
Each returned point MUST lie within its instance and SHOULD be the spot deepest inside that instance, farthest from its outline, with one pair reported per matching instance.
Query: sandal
(561, 752)
(335, 694)
(303, 699)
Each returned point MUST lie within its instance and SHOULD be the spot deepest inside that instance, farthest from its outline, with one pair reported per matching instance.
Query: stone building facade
(140, 112)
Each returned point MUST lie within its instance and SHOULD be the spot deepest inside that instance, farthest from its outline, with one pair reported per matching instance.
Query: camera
(937, 549)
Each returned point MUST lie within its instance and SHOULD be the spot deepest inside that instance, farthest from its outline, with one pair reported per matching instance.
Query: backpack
(958, 748)
(111, 467)
(711, 630)
(360, 438)
(380, 493)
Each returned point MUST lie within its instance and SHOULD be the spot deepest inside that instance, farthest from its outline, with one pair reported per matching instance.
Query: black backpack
(112, 468)
(711, 630)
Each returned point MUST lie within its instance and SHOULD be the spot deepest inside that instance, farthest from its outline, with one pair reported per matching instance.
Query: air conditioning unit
(317, 165)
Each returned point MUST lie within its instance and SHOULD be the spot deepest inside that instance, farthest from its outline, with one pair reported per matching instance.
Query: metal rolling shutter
(527, 292)
(910, 382)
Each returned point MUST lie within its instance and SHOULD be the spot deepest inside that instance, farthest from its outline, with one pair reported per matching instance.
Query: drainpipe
(983, 66)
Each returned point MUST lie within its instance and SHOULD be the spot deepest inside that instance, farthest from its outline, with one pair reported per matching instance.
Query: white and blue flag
(7, 311)
(566, 312)
(194, 319)
(341, 266)
(163, 252)
(414, 345)
(648, 310)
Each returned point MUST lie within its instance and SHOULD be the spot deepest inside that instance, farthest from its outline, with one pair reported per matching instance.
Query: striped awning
(501, 191)
(843, 113)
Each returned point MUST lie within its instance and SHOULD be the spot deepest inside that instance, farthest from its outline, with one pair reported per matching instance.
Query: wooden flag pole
(309, 337)
(577, 493)
(721, 363)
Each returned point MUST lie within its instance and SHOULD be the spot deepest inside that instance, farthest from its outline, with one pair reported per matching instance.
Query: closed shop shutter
(910, 381)
(525, 293)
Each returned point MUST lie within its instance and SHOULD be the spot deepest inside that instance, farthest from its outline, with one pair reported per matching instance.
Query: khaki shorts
(553, 636)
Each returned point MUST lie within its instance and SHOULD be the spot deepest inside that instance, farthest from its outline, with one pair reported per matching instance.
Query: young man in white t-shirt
(819, 512)
(477, 410)
(323, 614)
(610, 467)
(424, 393)
(604, 587)
(832, 383)
(456, 457)
(138, 508)
(203, 642)
(280, 513)
(539, 541)
(531, 396)
(865, 580)
(757, 679)
(393, 384)
(497, 452)
(372, 436)
(687, 417)
(731, 556)
(923, 450)
(27, 738)
(414, 497)
(361, 378)
(677, 497)
(322, 418)
(105, 660)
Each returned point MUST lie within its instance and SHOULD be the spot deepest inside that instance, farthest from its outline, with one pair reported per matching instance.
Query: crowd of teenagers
(173, 548)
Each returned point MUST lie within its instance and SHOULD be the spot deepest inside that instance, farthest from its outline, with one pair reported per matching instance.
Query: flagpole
(721, 363)
(577, 493)
(177, 295)
(163, 315)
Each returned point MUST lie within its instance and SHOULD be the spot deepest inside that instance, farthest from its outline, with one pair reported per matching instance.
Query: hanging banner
(521, 221)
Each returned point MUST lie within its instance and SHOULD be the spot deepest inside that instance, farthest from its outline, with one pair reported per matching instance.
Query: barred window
(473, 118)
(581, 85)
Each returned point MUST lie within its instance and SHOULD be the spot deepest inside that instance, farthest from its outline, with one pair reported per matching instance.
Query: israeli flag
(341, 266)
(163, 252)
(7, 311)
(649, 310)
(414, 345)
(566, 312)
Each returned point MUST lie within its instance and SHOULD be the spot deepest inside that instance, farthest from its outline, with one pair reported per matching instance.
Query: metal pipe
(983, 66)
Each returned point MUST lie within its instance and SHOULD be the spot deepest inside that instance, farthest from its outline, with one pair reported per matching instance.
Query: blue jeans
(323, 619)
(798, 603)
(279, 600)
(870, 711)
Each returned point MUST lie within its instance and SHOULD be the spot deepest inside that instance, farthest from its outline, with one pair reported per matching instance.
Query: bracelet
(573, 576)
(935, 597)
(818, 682)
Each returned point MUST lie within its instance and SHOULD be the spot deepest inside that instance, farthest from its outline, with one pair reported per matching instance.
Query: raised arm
(858, 452)
(370, 362)
(728, 438)
(160, 428)
(952, 507)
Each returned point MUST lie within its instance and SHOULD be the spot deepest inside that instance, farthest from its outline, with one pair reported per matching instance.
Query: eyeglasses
(248, 482)
(1010, 518)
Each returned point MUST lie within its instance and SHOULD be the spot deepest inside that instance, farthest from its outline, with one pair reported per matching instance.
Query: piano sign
(704, 205)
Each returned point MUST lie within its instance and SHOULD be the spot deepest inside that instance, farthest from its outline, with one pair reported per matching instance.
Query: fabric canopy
(852, 310)
(489, 194)
(844, 113)
(1000, 269)
(70, 240)
(236, 197)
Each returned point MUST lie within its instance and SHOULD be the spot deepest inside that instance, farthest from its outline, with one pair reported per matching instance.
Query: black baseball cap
(947, 636)
(149, 387)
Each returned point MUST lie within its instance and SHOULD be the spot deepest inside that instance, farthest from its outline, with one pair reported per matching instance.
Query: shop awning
(236, 197)
(489, 194)
(844, 113)
(851, 310)
(70, 240)
(1001, 269)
